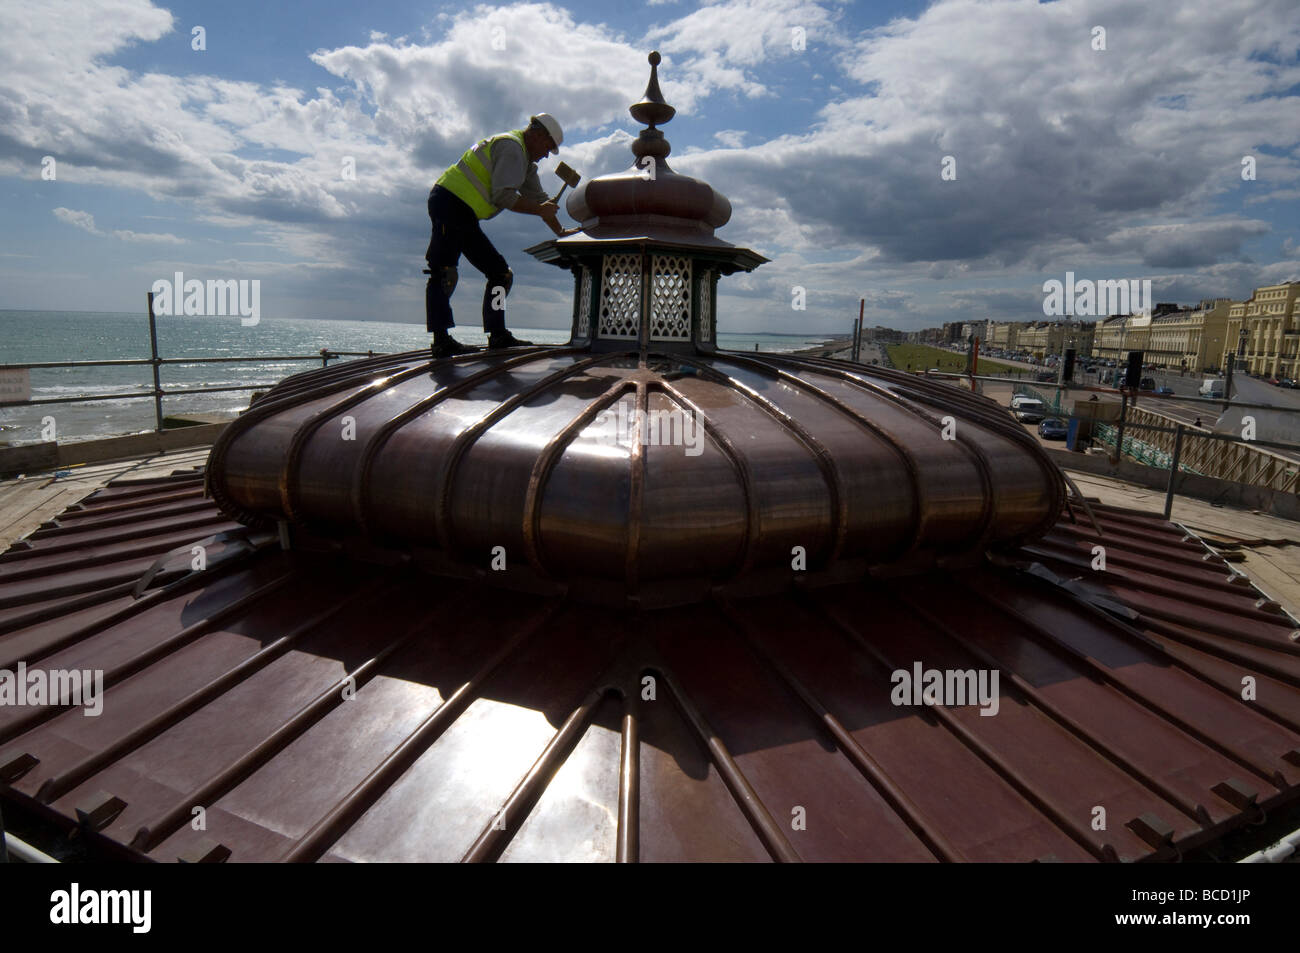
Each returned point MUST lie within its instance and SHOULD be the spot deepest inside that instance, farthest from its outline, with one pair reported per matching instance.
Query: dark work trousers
(456, 231)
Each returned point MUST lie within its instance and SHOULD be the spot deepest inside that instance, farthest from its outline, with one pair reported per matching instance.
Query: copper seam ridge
(146, 658)
(874, 773)
(336, 822)
(1256, 668)
(1132, 545)
(1036, 699)
(114, 496)
(501, 828)
(308, 428)
(74, 528)
(1216, 648)
(71, 521)
(121, 487)
(746, 798)
(220, 783)
(994, 422)
(1208, 578)
(310, 378)
(58, 785)
(1112, 681)
(636, 489)
(1147, 523)
(628, 847)
(1282, 643)
(898, 446)
(1081, 500)
(943, 719)
(376, 441)
(546, 462)
(169, 541)
(1198, 572)
(1124, 578)
(997, 425)
(973, 452)
(288, 396)
(825, 461)
(66, 607)
(741, 467)
(470, 435)
(27, 596)
(137, 607)
(906, 381)
(55, 547)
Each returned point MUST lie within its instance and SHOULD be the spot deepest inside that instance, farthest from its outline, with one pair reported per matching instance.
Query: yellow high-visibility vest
(470, 179)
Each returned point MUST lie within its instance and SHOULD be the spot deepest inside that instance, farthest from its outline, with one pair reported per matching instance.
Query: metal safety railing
(1172, 445)
(157, 392)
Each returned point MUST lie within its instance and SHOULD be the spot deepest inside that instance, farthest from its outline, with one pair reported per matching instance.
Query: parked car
(1287, 382)
(1030, 411)
(1147, 383)
(1053, 428)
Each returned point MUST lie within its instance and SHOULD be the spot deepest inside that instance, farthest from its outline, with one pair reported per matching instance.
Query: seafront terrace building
(1040, 338)
(1190, 340)
(1271, 318)
(1119, 334)
(1002, 334)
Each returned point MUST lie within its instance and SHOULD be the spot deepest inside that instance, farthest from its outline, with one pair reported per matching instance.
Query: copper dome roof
(625, 472)
(649, 192)
(639, 461)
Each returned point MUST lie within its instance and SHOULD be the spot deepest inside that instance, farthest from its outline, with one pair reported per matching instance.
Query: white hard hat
(551, 126)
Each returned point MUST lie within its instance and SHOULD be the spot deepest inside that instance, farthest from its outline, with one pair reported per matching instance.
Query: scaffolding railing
(157, 392)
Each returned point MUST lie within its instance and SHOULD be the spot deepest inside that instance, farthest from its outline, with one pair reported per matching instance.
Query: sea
(281, 346)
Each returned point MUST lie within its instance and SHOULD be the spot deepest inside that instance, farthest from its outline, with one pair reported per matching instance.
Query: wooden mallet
(570, 177)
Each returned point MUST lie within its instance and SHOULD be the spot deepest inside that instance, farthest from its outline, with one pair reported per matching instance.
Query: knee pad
(449, 277)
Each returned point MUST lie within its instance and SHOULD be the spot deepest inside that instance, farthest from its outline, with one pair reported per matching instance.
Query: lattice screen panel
(584, 306)
(620, 296)
(706, 306)
(670, 298)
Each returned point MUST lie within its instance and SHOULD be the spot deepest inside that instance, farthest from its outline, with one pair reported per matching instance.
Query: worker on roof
(498, 172)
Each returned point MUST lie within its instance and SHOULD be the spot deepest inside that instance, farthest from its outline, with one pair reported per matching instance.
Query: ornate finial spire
(653, 109)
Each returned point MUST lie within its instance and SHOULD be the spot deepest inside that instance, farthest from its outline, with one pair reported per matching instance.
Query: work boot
(498, 340)
(449, 347)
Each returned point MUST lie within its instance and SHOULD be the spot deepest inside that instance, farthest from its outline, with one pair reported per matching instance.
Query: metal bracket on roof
(1237, 793)
(1152, 829)
(98, 812)
(206, 851)
(1237, 577)
(1081, 590)
(15, 768)
(233, 544)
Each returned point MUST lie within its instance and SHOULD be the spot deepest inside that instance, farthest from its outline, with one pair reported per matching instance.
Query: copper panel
(504, 450)
(323, 708)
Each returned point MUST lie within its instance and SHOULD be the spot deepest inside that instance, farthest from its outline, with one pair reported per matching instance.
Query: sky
(939, 160)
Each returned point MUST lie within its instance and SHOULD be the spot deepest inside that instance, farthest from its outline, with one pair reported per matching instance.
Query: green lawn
(922, 357)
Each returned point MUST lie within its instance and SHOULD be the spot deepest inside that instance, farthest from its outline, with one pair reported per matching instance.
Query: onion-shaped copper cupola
(646, 262)
(638, 461)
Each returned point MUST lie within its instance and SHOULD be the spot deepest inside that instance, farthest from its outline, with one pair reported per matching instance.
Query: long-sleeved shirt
(513, 175)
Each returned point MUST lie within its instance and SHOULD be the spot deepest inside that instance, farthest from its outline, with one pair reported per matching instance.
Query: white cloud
(1066, 157)
(82, 220)
(127, 235)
